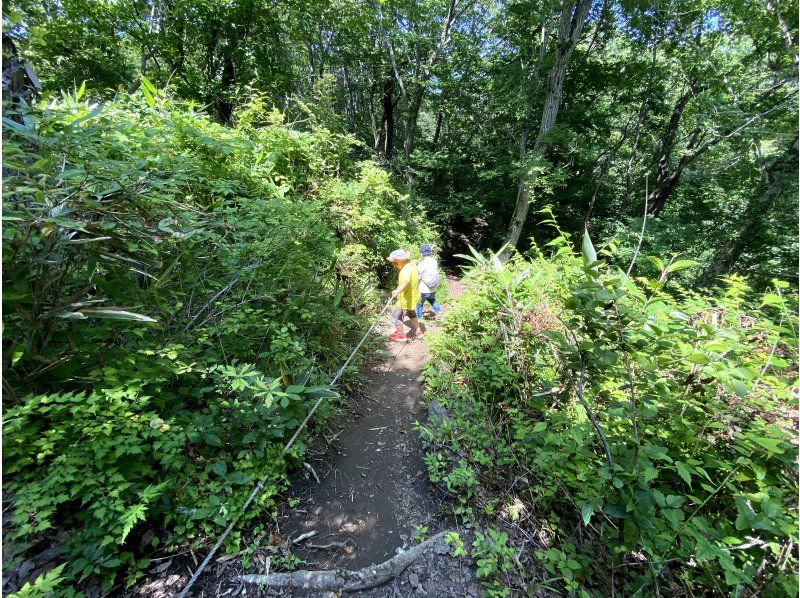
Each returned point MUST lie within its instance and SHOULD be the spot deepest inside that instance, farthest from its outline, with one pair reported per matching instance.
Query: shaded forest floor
(363, 496)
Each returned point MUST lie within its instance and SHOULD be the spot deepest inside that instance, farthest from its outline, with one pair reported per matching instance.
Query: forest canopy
(490, 109)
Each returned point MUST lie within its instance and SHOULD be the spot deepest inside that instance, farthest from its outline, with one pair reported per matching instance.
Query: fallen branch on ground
(304, 536)
(341, 579)
(330, 545)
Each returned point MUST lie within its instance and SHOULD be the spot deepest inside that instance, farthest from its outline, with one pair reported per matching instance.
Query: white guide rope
(260, 486)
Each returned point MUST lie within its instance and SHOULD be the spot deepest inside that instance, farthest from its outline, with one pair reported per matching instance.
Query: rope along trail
(260, 486)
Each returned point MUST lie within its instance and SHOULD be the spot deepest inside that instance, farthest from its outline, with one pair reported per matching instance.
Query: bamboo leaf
(147, 84)
(148, 96)
(114, 313)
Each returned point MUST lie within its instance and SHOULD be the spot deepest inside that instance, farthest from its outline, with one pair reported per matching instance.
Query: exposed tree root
(342, 579)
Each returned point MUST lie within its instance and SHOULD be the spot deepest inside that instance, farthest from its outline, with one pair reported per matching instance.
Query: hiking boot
(419, 334)
(396, 336)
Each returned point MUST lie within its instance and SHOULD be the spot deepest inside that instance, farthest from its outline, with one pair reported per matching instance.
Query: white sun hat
(399, 255)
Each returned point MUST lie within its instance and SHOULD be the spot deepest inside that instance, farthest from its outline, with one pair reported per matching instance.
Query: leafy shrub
(44, 585)
(175, 294)
(657, 424)
(493, 557)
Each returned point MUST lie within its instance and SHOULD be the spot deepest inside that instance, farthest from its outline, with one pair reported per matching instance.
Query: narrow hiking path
(372, 486)
(364, 494)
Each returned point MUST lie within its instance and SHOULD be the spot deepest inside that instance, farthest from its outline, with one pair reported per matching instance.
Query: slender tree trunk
(19, 80)
(225, 108)
(638, 133)
(411, 121)
(438, 133)
(388, 118)
(373, 120)
(601, 175)
(349, 102)
(532, 82)
(573, 16)
(787, 34)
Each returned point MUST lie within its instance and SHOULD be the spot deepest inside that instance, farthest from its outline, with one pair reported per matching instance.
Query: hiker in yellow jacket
(407, 296)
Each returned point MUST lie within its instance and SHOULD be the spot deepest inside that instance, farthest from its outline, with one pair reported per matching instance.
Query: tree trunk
(373, 121)
(225, 108)
(438, 133)
(388, 117)
(349, 106)
(787, 34)
(573, 16)
(19, 80)
(753, 219)
(411, 121)
(666, 177)
(601, 175)
(415, 104)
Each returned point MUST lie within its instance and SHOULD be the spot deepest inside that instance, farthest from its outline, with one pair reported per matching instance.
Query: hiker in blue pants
(428, 269)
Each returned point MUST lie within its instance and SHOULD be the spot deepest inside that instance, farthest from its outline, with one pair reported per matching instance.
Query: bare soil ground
(372, 485)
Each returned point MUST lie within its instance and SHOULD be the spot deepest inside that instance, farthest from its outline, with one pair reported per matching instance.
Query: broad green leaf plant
(642, 428)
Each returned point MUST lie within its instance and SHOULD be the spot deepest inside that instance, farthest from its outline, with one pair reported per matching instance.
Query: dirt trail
(364, 492)
(372, 484)
(371, 493)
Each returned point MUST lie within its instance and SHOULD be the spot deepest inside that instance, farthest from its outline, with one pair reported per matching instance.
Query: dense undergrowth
(616, 435)
(176, 294)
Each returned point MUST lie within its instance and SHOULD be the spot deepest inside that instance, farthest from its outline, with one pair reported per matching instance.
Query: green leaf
(740, 388)
(129, 519)
(239, 478)
(211, 438)
(587, 511)
(679, 265)
(146, 84)
(685, 472)
(698, 358)
(773, 445)
(707, 551)
(616, 509)
(650, 474)
(771, 299)
(91, 114)
(675, 501)
(148, 96)
(587, 249)
(657, 262)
